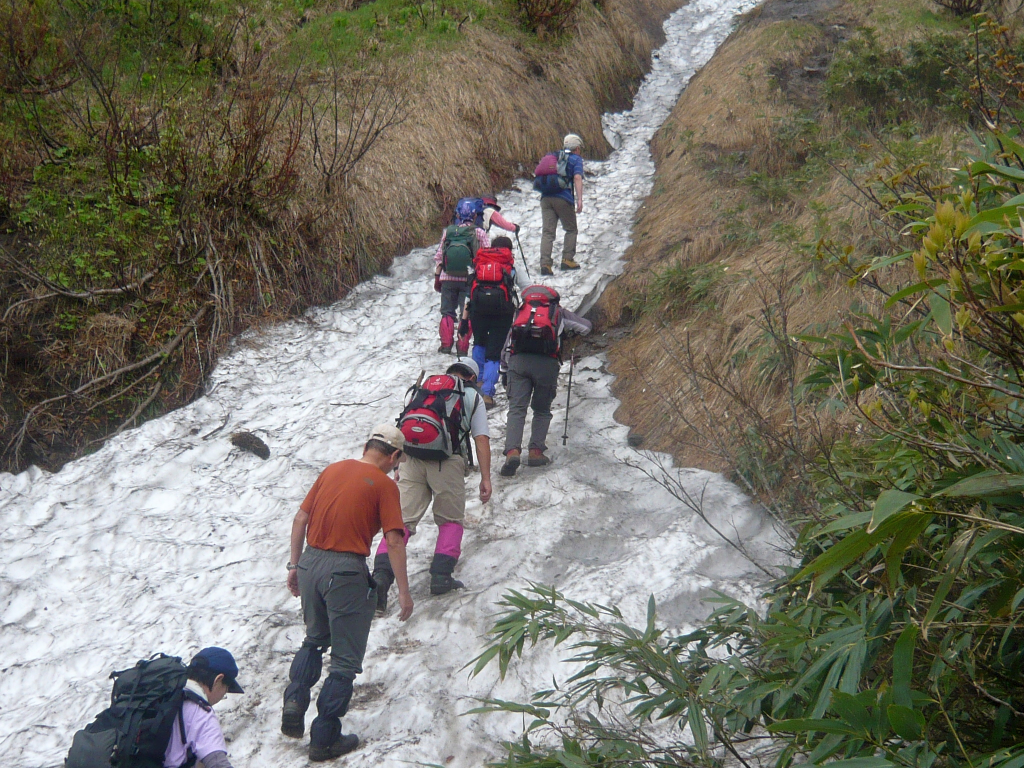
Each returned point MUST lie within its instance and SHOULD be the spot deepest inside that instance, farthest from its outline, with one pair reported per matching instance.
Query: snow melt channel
(171, 539)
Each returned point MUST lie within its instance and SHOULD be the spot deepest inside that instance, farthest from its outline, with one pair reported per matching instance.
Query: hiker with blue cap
(212, 674)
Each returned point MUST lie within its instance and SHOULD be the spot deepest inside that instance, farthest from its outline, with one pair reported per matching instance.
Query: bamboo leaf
(887, 504)
(985, 484)
(908, 723)
(903, 665)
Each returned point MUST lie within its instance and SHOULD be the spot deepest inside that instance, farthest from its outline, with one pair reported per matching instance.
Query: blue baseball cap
(222, 662)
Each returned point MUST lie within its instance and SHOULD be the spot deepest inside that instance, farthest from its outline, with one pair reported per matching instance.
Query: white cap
(467, 364)
(389, 435)
(571, 142)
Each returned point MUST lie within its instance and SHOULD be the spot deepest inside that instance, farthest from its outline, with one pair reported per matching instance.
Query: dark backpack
(460, 247)
(493, 290)
(432, 418)
(535, 326)
(551, 175)
(134, 730)
(469, 210)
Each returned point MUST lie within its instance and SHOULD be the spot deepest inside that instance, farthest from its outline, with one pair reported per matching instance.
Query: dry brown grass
(724, 128)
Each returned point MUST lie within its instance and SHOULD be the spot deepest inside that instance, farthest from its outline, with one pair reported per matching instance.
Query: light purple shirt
(202, 732)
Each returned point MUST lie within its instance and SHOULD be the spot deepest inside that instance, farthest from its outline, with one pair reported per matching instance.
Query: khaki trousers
(444, 482)
(552, 211)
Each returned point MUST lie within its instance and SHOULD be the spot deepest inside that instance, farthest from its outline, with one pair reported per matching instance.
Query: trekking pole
(524, 257)
(568, 393)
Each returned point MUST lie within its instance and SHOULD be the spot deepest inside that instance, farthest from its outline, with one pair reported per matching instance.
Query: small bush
(547, 15)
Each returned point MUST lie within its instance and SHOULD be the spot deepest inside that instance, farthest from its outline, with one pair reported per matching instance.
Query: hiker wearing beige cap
(559, 179)
(348, 504)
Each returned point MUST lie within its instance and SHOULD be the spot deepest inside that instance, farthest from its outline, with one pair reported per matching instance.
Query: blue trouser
(489, 334)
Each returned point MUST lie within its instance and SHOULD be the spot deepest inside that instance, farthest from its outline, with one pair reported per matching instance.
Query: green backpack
(460, 248)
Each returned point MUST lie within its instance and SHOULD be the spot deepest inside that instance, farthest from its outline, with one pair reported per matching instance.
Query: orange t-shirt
(348, 504)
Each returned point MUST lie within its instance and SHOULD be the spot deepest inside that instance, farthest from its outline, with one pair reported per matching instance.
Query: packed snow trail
(170, 539)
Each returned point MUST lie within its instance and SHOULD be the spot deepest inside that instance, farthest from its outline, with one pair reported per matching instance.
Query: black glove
(516, 229)
(463, 326)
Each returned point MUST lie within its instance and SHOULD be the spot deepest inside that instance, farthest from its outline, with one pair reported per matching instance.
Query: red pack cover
(548, 166)
(492, 264)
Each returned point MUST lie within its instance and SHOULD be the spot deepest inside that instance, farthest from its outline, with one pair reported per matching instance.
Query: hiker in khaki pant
(562, 206)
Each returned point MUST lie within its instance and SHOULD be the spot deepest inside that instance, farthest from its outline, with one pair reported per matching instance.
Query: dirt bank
(723, 262)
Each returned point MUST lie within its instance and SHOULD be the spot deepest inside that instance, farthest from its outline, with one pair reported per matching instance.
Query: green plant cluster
(897, 640)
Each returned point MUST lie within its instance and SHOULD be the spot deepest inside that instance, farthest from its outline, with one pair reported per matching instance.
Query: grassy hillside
(175, 173)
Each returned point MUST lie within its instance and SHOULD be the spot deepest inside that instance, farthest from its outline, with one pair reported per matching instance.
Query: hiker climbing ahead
(348, 504)
(492, 305)
(438, 421)
(559, 179)
(453, 268)
(161, 714)
(532, 357)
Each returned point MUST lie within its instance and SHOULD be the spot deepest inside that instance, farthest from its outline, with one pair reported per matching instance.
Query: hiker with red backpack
(441, 419)
(492, 305)
(531, 359)
(559, 179)
(453, 269)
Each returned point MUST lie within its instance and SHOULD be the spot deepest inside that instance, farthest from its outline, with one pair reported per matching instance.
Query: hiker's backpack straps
(134, 730)
(460, 248)
(552, 175)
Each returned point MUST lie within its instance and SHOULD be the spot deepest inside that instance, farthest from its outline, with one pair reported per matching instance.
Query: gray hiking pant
(338, 601)
(532, 382)
(552, 211)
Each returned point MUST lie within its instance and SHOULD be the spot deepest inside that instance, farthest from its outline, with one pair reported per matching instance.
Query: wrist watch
(292, 566)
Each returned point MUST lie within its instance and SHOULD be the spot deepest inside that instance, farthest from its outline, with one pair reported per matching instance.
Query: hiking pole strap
(568, 393)
(524, 257)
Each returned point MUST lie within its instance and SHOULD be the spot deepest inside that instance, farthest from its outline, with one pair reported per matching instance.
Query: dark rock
(635, 440)
(247, 441)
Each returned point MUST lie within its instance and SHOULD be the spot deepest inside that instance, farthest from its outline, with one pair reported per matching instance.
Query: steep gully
(169, 538)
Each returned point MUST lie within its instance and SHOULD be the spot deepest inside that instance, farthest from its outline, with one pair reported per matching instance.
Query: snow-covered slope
(171, 539)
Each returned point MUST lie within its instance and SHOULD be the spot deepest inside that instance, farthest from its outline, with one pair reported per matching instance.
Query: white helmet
(467, 364)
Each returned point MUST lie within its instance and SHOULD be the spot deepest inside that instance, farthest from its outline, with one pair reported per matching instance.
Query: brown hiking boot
(545, 269)
(511, 464)
(488, 401)
(568, 264)
(537, 458)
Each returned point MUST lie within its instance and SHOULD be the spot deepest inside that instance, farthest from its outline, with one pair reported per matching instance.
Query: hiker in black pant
(531, 359)
(492, 305)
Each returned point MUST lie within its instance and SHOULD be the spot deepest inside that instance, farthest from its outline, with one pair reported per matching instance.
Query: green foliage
(677, 287)
(884, 85)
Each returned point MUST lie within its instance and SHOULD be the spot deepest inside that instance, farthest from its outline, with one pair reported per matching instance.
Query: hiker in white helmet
(559, 179)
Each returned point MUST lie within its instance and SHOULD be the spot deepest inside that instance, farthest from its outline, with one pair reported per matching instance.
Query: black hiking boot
(384, 577)
(342, 746)
(441, 580)
(293, 720)
(511, 464)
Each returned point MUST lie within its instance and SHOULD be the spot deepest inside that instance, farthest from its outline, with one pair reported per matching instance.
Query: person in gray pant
(532, 382)
(348, 504)
(562, 206)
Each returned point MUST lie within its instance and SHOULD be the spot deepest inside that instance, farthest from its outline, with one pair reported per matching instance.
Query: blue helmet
(465, 211)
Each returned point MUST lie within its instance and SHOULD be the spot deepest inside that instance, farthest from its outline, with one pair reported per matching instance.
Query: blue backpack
(469, 210)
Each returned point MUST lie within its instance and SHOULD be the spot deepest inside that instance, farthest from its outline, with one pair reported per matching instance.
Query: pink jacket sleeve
(500, 221)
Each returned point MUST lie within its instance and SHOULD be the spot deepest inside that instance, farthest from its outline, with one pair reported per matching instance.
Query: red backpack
(432, 418)
(493, 291)
(535, 326)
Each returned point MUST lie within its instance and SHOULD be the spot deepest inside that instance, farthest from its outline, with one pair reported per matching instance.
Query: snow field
(170, 539)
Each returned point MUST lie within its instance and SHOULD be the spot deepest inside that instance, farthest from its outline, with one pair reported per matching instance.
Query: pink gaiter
(382, 548)
(449, 540)
(447, 330)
